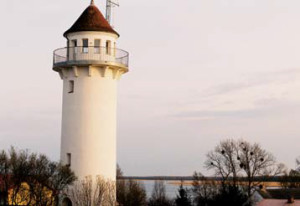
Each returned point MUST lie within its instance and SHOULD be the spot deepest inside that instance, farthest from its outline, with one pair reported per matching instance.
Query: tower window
(71, 86)
(108, 47)
(74, 43)
(85, 45)
(69, 159)
(97, 46)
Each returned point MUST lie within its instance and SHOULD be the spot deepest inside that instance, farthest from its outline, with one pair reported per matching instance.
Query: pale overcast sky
(200, 71)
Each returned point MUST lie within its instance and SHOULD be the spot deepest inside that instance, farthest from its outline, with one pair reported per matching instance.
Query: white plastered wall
(91, 36)
(89, 115)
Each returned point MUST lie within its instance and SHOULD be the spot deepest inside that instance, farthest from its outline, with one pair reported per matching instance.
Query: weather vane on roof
(92, 2)
(109, 5)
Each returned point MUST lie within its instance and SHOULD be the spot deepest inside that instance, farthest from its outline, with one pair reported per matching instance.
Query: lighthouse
(90, 67)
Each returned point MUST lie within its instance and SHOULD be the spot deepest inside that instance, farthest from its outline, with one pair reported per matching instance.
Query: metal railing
(90, 54)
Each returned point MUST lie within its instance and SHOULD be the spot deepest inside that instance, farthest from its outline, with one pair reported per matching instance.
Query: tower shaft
(89, 121)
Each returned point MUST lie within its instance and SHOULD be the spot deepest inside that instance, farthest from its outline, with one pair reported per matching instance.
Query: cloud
(254, 80)
(262, 108)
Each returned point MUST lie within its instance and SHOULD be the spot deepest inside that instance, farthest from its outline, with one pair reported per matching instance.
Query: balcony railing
(70, 56)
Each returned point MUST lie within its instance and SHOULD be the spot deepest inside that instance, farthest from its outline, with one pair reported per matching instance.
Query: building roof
(91, 20)
(280, 193)
(272, 202)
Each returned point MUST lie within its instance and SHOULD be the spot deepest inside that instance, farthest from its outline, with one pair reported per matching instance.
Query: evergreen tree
(130, 192)
(183, 198)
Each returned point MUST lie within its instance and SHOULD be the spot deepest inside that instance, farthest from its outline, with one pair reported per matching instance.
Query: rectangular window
(97, 46)
(108, 47)
(69, 159)
(85, 45)
(74, 43)
(74, 47)
(71, 86)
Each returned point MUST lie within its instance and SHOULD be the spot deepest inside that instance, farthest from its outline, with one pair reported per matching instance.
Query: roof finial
(92, 2)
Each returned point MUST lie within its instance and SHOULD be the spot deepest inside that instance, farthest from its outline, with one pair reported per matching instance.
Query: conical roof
(91, 20)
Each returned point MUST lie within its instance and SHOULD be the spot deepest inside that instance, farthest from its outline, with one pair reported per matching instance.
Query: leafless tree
(102, 192)
(81, 192)
(159, 196)
(255, 162)
(223, 160)
(291, 179)
(105, 192)
(110, 195)
(203, 189)
(241, 159)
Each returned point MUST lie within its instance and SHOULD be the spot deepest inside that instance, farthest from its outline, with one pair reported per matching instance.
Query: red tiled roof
(91, 20)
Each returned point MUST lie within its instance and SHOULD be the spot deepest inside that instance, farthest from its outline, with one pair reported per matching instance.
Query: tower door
(67, 202)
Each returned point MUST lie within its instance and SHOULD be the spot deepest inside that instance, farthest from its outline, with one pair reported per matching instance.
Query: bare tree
(233, 160)
(255, 162)
(223, 160)
(81, 192)
(110, 194)
(159, 197)
(99, 194)
(102, 192)
(105, 192)
(291, 179)
(203, 189)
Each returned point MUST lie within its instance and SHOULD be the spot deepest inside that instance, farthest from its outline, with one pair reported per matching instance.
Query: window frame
(97, 46)
(85, 45)
(69, 159)
(71, 86)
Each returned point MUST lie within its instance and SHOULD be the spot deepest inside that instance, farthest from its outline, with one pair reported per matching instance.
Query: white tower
(90, 67)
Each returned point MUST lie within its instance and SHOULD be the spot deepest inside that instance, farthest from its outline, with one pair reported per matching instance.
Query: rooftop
(91, 20)
(272, 202)
(280, 193)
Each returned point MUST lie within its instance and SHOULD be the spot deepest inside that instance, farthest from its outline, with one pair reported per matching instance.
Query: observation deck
(87, 56)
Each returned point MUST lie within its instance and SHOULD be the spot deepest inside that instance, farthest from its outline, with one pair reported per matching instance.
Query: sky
(201, 71)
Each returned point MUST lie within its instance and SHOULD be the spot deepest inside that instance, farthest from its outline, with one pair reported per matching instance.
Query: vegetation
(130, 192)
(87, 193)
(159, 196)
(239, 166)
(235, 160)
(183, 198)
(291, 180)
(31, 179)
